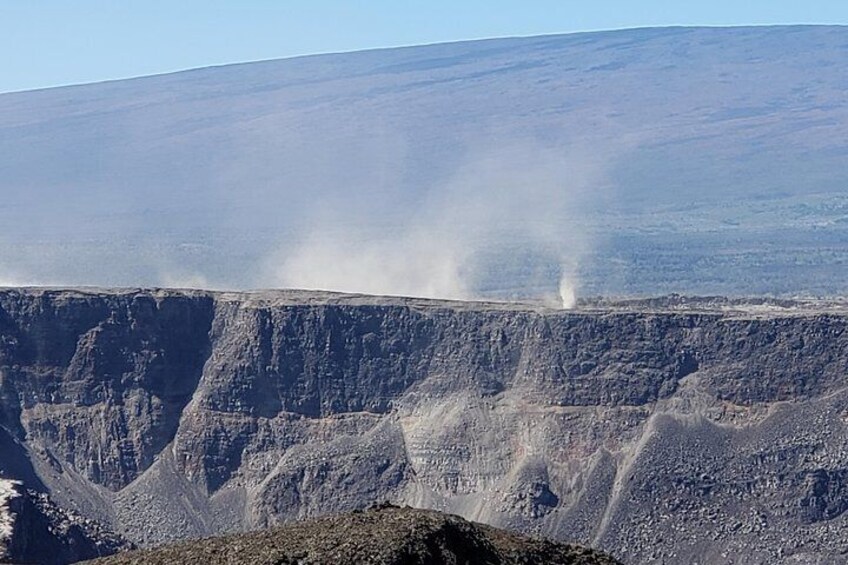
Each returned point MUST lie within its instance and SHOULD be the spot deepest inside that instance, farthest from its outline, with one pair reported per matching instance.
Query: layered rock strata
(673, 430)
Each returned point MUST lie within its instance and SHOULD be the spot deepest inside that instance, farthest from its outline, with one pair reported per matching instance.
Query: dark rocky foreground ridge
(674, 430)
(384, 536)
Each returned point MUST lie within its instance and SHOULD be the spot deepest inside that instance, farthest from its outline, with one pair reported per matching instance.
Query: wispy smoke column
(499, 213)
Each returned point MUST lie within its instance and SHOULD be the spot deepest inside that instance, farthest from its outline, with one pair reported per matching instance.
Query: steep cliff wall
(34, 530)
(655, 430)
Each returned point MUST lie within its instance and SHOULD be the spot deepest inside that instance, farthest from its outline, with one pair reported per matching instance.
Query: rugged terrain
(696, 160)
(383, 536)
(35, 530)
(673, 430)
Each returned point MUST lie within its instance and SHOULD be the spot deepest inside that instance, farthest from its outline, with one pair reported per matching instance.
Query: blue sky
(56, 42)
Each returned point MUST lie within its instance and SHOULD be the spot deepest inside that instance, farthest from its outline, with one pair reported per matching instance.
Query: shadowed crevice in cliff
(15, 462)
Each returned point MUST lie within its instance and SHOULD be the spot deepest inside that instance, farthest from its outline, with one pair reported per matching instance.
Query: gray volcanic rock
(384, 536)
(671, 430)
(34, 530)
(126, 365)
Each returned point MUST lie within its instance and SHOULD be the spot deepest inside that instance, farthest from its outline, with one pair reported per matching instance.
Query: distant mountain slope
(380, 536)
(648, 160)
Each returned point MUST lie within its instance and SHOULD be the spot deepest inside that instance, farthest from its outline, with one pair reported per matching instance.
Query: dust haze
(505, 226)
(508, 222)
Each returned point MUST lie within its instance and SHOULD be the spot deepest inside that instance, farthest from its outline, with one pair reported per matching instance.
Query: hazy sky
(55, 42)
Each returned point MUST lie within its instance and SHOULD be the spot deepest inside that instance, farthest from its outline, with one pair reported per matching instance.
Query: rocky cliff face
(35, 530)
(668, 431)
